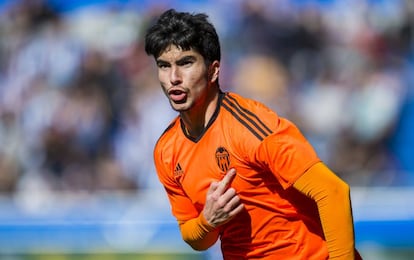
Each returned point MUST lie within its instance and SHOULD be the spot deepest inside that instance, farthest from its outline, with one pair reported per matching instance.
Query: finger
(233, 202)
(226, 197)
(236, 210)
(225, 182)
(213, 187)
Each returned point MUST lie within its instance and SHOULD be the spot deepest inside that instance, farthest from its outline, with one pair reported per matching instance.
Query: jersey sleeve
(332, 196)
(286, 153)
(181, 206)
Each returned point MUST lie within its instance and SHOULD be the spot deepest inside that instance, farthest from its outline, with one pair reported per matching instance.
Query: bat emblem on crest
(223, 158)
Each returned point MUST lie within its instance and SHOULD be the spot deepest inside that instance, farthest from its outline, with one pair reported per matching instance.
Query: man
(232, 168)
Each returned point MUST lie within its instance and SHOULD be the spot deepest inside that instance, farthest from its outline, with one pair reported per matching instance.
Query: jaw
(179, 106)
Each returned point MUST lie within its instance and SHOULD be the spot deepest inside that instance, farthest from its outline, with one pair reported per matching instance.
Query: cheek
(161, 79)
(161, 76)
(164, 82)
(198, 78)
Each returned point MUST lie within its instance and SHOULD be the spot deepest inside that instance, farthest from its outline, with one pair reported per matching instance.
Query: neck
(197, 118)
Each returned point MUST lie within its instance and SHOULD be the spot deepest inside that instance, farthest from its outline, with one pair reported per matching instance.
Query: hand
(222, 202)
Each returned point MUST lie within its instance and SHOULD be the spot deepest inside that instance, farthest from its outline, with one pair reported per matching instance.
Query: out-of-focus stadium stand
(80, 111)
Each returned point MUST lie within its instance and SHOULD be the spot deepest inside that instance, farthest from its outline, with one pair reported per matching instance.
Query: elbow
(341, 192)
(344, 189)
(197, 245)
(201, 244)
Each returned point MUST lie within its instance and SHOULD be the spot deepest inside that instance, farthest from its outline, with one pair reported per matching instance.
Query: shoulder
(252, 115)
(247, 105)
(168, 135)
(234, 98)
(164, 148)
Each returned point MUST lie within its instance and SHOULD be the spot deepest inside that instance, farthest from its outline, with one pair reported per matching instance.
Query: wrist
(204, 224)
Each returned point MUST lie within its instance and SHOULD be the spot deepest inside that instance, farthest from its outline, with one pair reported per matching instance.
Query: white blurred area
(81, 109)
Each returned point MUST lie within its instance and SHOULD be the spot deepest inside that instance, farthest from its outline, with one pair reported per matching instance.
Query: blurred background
(81, 108)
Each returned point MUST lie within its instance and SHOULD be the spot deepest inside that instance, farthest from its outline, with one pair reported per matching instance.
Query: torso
(274, 215)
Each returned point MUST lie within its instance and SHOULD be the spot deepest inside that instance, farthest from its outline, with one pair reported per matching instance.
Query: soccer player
(232, 168)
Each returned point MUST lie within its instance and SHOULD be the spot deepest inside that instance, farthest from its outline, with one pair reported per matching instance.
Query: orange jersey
(278, 221)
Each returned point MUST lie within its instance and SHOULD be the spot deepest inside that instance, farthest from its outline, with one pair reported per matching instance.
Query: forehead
(174, 52)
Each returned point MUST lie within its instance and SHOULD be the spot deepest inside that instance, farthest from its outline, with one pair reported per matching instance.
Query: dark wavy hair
(184, 30)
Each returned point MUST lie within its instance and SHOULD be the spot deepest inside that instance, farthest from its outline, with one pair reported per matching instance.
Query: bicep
(181, 206)
(286, 153)
(319, 181)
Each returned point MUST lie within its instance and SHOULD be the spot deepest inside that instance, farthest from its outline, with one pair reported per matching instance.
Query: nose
(175, 75)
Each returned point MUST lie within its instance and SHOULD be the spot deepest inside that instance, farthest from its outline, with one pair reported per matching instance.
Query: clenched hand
(222, 202)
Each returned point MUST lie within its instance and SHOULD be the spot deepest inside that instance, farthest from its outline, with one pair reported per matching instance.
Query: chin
(180, 107)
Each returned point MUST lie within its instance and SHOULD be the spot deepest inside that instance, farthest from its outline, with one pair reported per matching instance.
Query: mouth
(177, 95)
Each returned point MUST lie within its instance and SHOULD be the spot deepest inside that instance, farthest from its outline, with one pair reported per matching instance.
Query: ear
(213, 71)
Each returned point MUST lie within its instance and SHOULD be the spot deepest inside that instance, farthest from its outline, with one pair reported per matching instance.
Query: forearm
(332, 196)
(198, 233)
(337, 223)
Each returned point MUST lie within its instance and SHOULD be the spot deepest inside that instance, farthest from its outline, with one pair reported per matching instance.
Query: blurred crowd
(81, 108)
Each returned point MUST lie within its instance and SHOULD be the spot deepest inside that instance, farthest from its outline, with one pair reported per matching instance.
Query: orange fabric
(198, 233)
(269, 154)
(332, 196)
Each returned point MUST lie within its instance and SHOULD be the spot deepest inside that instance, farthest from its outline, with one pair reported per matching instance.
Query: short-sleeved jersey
(269, 154)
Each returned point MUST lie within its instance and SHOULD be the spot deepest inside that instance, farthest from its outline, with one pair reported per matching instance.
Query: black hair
(186, 31)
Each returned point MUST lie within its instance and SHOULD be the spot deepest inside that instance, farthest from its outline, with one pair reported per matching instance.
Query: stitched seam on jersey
(242, 112)
(243, 122)
(228, 97)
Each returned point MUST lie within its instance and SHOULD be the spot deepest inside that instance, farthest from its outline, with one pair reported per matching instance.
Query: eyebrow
(179, 61)
(186, 59)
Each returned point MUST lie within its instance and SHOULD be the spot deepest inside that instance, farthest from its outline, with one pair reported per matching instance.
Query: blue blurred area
(402, 141)
(108, 222)
(71, 235)
(131, 223)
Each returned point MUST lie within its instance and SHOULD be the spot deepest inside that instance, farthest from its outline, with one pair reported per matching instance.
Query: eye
(163, 65)
(187, 61)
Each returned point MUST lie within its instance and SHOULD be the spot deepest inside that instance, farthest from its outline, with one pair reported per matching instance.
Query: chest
(197, 164)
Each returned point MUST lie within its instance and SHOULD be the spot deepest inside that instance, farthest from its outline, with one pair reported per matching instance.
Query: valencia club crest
(223, 159)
